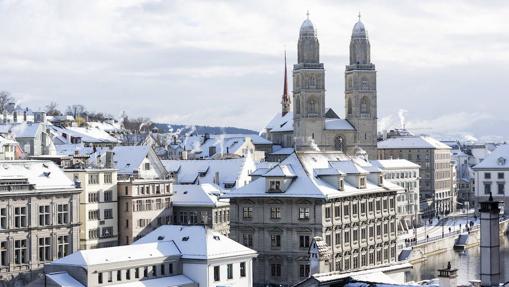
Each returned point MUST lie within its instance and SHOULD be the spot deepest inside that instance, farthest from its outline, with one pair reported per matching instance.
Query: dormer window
(362, 182)
(341, 184)
(275, 186)
(381, 180)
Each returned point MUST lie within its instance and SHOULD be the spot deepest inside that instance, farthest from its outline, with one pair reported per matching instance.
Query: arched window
(312, 106)
(339, 143)
(365, 105)
(297, 105)
(349, 106)
(364, 85)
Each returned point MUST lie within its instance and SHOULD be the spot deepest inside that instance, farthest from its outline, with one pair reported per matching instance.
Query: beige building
(342, 200)
(201, 205)
(437, 171)
(7, 148)
(39, 218)
(98, 205)
(144, 205)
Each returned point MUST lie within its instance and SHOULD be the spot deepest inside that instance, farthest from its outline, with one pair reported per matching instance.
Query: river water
(467, 263)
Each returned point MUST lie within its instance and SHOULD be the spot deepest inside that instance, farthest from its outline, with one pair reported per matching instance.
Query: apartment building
(437, 171)
(342, 200)
(201, 205)
(98, 205)
(39, 218)
(143, 205)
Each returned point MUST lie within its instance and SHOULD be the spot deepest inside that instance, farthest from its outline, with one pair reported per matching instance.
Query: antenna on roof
(307, 14)
(359, 15)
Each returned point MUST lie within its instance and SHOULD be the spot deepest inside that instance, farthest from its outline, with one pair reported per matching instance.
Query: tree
(52, 109)
(5, 99)
(76, 110)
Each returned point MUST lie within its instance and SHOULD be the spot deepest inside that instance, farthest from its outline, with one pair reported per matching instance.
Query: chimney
(447, 276)
(490, 243)
(216, 178)
(184, 154)
(109, 159)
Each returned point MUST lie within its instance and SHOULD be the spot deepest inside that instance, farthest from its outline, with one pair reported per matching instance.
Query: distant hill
(164, 128)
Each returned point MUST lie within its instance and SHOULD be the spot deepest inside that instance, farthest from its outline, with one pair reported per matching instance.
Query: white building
(98, 205)
(405, 174)
(491, 175)
(7, 148)
(172, 255)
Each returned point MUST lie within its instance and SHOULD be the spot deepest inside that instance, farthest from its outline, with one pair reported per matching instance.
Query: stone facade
(39, 222)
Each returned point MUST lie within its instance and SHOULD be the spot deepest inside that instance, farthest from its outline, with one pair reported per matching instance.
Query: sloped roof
(44, 174)
(197, 195)
(281, 170)
(229, 170)
(87, 134)
(170, 281)
(280, 123)
(117, 254)
(21, 130)
(338, 124)
(394, 163)
(306, 184)
(497, 159)
(412, 142)
(197, 242)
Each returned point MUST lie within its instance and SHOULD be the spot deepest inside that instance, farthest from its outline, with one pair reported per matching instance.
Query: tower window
(365, 105)
(349, 106)
(338, 143)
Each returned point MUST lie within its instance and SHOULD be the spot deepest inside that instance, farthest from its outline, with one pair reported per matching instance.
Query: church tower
(360, 91)
(308, 91)
(285, 101)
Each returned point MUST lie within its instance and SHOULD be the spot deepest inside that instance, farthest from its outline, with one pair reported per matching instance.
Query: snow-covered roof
(44, 174)
(283, 151)
(412, 142)
(170, 281)
(307, 27)
(338, 124)
(128, 159)
(106, 126)
(64, 279)
(206, 195)
(87, 134)
(306, 184)
(281, 170)
(280, 123)
(6, 141)
(359, 30)
(204, 171)
(497, 159)
(197, 242)
(118, 254)
(394, 164)
(21, 130)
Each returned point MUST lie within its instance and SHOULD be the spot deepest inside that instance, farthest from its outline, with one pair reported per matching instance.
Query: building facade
(405, 174)
(343, 201)
(98, 206)
(143, 205)
(491, 177)
(437, 171)
(201, 205)
(39, 218)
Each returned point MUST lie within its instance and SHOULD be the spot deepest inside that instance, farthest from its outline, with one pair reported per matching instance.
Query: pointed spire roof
(285, 88)
(285, 101)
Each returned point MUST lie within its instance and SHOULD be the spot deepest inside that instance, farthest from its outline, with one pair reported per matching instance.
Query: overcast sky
(221, 62)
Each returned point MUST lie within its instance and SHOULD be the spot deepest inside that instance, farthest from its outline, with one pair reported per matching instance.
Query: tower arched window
(297, 105)
(364, 85)
(312, 106)
(365, 105)
(339, 143)
(349, 106)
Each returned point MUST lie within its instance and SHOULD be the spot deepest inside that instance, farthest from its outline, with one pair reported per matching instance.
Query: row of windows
(229, 271)
(365, 259)
(221, 216)
(96, 214)
(500, 175)
(275, 270)
(402, 174)
(500, 188)
(104, 232)
(135, 273)
(149, 204)
(93, 178)
(21, 252)
(149, 189)
(45, 218)
(107, 196)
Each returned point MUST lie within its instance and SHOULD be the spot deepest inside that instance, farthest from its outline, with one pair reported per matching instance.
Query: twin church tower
(314, 126)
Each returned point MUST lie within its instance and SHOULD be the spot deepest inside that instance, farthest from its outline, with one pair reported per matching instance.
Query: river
(467, 263)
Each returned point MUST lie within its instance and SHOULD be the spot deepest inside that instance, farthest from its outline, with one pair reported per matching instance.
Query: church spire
(285, 102)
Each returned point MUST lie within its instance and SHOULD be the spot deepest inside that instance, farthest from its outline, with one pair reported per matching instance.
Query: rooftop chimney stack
(490, 243)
